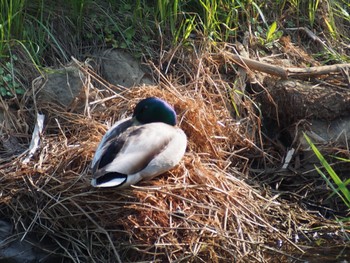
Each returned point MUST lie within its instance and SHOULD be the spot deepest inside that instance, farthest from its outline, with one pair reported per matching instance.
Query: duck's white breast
(170, 155)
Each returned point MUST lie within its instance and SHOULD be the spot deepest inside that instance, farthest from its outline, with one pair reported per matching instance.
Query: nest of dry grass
(201, 211)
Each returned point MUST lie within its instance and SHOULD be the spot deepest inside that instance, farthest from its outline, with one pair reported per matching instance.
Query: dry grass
(201, 211)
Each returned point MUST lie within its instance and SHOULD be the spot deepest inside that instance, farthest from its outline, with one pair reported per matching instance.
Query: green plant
(22, 29)
(268, 36)
(9, 87)
(338, 187)
(187, 26)
(125, 25)
(77, 8)
(272, 33)
(168, 12)
(312, 8)
(11, 22)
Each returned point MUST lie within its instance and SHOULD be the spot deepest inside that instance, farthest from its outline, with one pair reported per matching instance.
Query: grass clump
(9, 86)
(339, 187)
(11, 21)
(81, 27)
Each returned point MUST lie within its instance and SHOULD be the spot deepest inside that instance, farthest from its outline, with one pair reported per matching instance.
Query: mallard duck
(139, 147)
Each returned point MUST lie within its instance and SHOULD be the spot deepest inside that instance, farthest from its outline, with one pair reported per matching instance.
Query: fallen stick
(284, 73)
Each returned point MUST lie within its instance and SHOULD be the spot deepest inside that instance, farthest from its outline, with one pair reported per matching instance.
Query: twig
(286, 72)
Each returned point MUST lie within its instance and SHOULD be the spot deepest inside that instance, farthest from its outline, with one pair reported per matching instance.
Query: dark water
(325, 255)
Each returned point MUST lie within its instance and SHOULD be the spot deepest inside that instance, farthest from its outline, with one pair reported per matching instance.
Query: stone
(13, 250)
(121, 69)
(61, 86)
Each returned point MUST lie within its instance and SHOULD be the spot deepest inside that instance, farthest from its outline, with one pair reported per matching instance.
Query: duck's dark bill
(109, 180)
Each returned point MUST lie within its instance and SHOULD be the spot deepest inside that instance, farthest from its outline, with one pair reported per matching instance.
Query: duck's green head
(154, 110)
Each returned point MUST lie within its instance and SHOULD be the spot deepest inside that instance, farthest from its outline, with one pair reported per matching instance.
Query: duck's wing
(114, 132)
(133, 149)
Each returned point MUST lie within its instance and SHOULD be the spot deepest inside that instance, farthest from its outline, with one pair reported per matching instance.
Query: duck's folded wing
(133, 150)
(114, 132)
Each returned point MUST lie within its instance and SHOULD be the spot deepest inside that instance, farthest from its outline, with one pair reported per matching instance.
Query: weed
(338, 186)
(267, 37)
(9, 87)
(11, 22)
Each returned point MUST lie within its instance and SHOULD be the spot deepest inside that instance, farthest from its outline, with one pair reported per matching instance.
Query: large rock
(61, 86)
(13, 250)
(120, 68)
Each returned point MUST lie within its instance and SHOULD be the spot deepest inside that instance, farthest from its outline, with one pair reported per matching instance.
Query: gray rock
(13, 250)
(120, 68)
(335, 132)
(61, 86)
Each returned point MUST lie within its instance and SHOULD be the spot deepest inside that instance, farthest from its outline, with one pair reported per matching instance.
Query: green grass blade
(63, 53)
(341, 186)
(271, 31)
(334, 189)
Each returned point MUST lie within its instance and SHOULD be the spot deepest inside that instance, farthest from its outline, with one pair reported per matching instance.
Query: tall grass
(339, 187)
(77, 13)
(11, 22)
(30, 25)
(168, 12)
(25, 31)
(218, 20)
(11, 26)
(224, 20)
